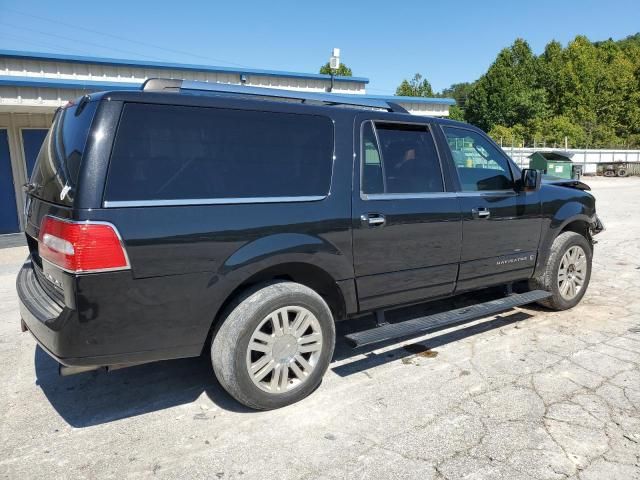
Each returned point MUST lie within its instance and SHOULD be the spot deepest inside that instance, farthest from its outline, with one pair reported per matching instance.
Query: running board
(422, 325)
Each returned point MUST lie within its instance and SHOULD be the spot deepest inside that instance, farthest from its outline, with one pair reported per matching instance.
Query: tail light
(81, 247)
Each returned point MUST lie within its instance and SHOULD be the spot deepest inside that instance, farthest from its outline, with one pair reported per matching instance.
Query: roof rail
(172, 85)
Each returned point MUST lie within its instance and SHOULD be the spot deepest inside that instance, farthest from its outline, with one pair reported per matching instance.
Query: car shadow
(373, 359)
(98, 397)
(95, 398)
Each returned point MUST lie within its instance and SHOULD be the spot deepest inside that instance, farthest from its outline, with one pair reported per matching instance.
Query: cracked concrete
(530, 394)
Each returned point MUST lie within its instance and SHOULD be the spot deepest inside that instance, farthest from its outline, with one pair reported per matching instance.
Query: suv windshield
(56, 170)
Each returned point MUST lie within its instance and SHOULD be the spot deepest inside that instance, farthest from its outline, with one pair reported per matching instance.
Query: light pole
(334, 64)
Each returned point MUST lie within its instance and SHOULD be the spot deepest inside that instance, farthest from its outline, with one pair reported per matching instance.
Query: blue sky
(446, 41)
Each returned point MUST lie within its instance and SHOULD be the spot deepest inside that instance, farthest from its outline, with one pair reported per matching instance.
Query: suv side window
(399, 158)
(480, 165)
(166, 152)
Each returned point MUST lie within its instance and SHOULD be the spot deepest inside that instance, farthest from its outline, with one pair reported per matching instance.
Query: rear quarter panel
(187, 260)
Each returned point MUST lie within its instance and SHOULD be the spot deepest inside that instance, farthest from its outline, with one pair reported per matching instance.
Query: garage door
(8, 210)
(32, 139)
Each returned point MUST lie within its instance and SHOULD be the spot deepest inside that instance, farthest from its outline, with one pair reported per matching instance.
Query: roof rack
(173, 85)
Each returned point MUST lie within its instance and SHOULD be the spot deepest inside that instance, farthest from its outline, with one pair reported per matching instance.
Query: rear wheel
(274, 346)
(567, 273)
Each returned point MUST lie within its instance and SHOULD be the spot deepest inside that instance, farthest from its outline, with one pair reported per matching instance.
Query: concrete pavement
(527, 394)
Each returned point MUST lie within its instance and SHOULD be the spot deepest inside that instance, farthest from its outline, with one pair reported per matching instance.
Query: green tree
(416, 87)
(459, 92)
(550, 75)
(601, 82)
(342, 71)
(508, 93)
(509, 136)
(587, 91)
(552, 131)
(456, 113)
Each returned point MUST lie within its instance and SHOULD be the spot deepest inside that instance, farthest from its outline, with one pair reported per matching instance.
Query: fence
(588, 158)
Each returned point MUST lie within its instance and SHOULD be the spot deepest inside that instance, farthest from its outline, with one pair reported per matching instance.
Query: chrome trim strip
(209, 201)
(406, 196)
(488, 193)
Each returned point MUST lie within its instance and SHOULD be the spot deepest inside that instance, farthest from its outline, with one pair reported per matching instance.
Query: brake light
(81, 247)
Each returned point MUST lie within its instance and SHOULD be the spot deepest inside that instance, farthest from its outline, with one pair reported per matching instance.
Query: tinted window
(480, 165)
(169, 152)
(404, 161)
(58, 162)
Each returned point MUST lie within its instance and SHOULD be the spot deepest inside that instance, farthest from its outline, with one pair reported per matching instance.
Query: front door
(407, 228)
(501, 225)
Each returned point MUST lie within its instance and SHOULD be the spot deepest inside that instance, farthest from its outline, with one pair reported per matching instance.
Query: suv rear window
(164, 152)
(58, 162)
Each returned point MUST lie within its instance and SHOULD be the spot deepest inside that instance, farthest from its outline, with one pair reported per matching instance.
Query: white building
(34, 85)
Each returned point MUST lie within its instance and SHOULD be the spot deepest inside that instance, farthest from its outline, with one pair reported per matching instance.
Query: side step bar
(417, 326)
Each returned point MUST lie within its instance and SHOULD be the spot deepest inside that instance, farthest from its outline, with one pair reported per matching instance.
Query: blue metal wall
(32, 139)
(8, 210)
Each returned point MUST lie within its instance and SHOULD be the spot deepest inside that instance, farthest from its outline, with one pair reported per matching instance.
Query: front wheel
(567, 272)
(274, 346)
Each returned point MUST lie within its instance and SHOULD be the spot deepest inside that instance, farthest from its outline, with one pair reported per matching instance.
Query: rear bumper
(41, 315)
(118, 336)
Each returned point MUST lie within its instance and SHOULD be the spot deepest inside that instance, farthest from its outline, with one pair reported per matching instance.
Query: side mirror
(530, 180)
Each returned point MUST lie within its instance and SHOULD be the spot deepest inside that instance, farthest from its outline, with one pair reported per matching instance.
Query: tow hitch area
(65, 371)
(417, 326)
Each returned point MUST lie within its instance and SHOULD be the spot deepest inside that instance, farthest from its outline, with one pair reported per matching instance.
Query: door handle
(481, 212)
(373, 219)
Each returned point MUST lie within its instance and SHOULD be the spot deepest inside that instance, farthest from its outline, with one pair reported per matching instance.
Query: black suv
(189, 215)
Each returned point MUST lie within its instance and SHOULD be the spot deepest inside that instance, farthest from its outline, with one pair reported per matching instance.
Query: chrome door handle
(481, 212)
(373, 219)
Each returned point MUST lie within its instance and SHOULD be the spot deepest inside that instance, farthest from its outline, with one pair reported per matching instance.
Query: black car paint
(187, 261)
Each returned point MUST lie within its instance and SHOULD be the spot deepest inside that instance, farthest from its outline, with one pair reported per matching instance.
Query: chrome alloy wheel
(572, 272)
(284, 349)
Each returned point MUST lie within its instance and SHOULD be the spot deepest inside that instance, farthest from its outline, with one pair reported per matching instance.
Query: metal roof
(58, 57)
(44, 82)
(401, 99)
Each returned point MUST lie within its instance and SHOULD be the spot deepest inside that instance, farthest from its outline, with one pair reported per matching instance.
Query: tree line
(587, 92)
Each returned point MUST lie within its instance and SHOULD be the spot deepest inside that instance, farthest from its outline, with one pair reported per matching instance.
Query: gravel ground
(528, 394)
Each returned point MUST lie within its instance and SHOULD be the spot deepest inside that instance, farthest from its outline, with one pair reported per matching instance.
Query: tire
(622, 172)
(251, 320)
(550, 280)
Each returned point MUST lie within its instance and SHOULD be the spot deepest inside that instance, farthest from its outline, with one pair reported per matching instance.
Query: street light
(334, 65)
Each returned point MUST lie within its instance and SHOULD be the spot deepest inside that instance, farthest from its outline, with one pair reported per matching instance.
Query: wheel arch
(338, 296)
(578, 223)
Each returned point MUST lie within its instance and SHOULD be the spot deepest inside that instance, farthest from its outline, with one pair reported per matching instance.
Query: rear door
(407, 229)
(501, 225)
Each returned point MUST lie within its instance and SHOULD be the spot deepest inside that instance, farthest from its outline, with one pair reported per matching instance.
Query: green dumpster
(555, 164)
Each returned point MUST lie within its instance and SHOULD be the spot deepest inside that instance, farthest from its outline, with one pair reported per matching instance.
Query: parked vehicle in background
(189, 216)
